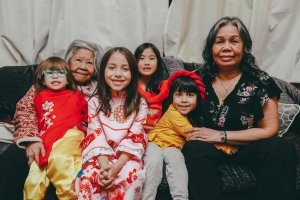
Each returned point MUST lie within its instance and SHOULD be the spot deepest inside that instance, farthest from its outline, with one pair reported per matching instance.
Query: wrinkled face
(117, 72)
(147, 64)
(82, 65)
(228, 48)
(184, 102)
(55, 80)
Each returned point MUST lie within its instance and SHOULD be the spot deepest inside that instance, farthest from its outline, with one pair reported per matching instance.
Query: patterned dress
(111, 136)
(243, 107)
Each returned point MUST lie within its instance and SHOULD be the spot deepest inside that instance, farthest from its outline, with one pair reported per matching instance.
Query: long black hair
(161, 72)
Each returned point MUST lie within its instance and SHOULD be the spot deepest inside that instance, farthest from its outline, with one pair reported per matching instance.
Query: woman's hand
(203, 134)
(33, 150)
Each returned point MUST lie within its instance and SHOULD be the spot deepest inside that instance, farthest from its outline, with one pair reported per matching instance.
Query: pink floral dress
(110, 136)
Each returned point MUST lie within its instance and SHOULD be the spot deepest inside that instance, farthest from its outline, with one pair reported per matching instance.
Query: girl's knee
(153, 157)
(173, 156)
(153, 161)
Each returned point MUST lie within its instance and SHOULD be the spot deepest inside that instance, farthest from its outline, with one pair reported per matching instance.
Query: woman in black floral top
(240, 112)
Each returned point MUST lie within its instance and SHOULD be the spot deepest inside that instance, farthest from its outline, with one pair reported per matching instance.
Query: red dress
(56, 113)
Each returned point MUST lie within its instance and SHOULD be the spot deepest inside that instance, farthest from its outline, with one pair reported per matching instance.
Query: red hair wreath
(193, 75)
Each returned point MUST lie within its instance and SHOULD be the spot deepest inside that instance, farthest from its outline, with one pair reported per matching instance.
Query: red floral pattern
(89, 188)
(25, 117)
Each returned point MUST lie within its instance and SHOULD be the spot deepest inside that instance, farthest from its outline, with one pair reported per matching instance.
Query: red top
(56, 113)
(154, 104)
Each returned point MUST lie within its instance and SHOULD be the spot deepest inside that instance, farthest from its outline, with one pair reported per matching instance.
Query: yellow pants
(63, 165)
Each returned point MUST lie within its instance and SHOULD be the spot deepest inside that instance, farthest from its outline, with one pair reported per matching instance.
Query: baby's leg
(64, 163)
(36, 183)
(153, 164)
(176, 172)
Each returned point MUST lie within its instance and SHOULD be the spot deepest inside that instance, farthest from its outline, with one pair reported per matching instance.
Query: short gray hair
(80, 44)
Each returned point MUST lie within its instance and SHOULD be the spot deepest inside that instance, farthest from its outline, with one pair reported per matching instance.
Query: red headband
(193, 75)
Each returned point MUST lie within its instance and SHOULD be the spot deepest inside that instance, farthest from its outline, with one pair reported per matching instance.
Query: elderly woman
(240, 110)
(82, 57)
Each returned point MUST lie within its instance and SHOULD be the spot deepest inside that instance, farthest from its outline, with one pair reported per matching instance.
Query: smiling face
(184, 102)
(228, 48)
(55, 80)
(82, 65)
(147, 63)
(117, 73)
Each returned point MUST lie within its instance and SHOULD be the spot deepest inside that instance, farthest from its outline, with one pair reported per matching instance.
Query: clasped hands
(106, 177)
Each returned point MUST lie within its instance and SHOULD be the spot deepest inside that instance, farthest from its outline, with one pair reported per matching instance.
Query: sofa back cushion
(14, 83)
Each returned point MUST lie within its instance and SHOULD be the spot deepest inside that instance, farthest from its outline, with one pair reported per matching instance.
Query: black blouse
(243, 107)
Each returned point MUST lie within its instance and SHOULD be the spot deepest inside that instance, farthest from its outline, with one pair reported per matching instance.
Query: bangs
(56, 66)
(185, 84)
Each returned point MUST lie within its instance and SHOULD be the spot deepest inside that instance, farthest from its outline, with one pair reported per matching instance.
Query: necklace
(232, 83)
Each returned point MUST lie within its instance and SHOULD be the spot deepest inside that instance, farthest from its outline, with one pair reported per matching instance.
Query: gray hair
(80, 44)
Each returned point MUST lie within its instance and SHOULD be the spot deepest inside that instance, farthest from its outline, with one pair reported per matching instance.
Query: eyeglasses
(51, 73)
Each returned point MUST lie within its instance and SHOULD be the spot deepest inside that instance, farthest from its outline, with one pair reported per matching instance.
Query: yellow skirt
(63, 165)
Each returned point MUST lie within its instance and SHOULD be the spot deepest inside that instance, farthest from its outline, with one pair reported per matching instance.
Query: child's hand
(105, 179)
(33, 151)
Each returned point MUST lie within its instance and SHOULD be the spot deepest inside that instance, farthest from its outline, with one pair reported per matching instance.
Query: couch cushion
(287, 114)
(290, 94)
(173, 64)
(14, 83)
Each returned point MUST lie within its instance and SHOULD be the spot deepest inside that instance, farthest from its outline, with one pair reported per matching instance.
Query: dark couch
(238, 181)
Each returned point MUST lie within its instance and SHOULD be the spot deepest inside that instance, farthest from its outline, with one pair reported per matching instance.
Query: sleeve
(177, 122)
(269, 88)
(95, 143)
(136, 141)
(84, 111)
(38, 109)
(25, 121)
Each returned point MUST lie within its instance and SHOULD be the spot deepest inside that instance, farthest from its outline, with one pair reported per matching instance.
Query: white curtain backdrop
(273, 24)
(32, 30)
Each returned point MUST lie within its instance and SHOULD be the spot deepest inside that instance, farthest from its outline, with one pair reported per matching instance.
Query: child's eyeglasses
(51, 73)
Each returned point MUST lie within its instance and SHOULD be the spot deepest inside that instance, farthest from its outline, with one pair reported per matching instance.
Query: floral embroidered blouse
(243, 107)
(114, 134)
